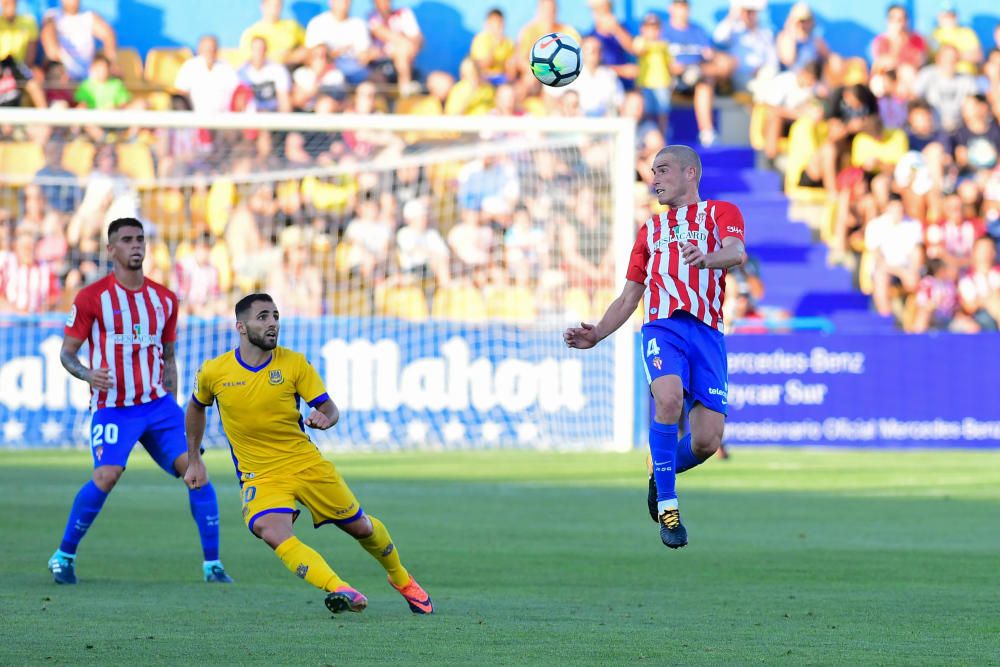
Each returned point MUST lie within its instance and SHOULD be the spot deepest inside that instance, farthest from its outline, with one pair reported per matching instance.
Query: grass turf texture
(796, 557)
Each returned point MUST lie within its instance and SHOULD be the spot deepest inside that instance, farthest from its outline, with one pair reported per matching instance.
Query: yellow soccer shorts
(319, 488)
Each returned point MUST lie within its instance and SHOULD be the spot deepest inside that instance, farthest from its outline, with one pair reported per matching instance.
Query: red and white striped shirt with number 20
(657, 262)
(126, 330)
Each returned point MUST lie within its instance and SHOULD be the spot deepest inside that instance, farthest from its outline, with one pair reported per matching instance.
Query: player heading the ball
(257, 388)
(678, 268)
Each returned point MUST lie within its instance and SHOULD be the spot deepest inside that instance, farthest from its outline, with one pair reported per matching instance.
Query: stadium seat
(162, 65)
(20, 160)
(165, 209)
(351, 302)
(576, 304)
(328, 196)
(129, 64)
(804, 138)
(235, 56)
(513, 304)
(135, 161)
(460, 303)
(221, 199)
(758, 118)
(407, 303)
(221, 260)
(78, 157)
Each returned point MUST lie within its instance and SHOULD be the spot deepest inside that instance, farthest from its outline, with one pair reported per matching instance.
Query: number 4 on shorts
(652, 348)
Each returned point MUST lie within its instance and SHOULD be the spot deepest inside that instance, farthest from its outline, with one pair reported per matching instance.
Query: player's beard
(262, 341)
(134, 263)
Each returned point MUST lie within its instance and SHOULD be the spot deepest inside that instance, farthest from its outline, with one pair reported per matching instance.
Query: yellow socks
(309, 565)
(379, 545)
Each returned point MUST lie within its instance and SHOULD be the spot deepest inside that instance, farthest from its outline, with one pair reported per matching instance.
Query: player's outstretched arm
(323, 416)
(98, 378)
(588, 335)
(194, 424)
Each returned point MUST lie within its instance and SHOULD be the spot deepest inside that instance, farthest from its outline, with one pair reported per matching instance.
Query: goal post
(427, 265)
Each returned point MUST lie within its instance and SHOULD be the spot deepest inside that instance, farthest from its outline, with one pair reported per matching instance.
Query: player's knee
(106, 477)
(705, 444)
(669, 407)
(359, 529)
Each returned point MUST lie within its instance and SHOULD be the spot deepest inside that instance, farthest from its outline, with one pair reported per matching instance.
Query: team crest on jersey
(275, 377)
(657, 363)
(700, 218)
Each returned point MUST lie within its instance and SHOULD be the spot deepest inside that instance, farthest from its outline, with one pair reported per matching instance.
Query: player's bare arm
(323, 416)
(588, 335)
(98, 378)
(732, 253)
(170, 368)
(194, 425)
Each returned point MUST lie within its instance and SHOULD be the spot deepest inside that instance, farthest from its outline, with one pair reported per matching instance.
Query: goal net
(426, 265)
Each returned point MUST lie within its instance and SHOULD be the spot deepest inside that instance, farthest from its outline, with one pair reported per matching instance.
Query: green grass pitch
(796, 557)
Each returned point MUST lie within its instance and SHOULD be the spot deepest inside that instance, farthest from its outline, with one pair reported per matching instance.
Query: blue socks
(205, 510)
(86, 505)
(685, 457)
(663, 448)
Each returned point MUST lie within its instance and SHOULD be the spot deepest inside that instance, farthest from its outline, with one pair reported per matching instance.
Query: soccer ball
(555, 59)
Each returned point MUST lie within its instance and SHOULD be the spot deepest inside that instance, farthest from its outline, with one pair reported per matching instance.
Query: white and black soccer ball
(555, 59)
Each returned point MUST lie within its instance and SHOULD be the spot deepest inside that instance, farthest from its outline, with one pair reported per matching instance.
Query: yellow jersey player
(257, 388)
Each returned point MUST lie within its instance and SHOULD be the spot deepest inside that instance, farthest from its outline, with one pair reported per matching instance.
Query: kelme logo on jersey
(275, 377)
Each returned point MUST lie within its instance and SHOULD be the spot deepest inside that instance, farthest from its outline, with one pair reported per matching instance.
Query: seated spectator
(936, 304)
(877, 150)
(471, 94)
(421, 251)
(396, 41)
(545, 21)
(898, 48)
(492, 48)
(799, 43)
(70, 36)
(207, 81)
(296, 281)
(284, 38)
(365, 143)
(59, 186)
(893, 101)
(951, 239)
(894, 240)
(318, 75)
(369, 238)
(100, 90)
(634, 107)
(526, 248)
(27, 285)
(979, 288)
(949, 32)
(58, 86)
(345, 36)
(616, 41)
(945, 88)
(750, 44)
(270, 82)
(15, 76)
(654, 78)
(975, 144)
(197, 281)
(787, 96)
(585, 242)
(471, 244)
(598, 86)
(739, 311)
(18, 34)
(697, 65)
(52, 248)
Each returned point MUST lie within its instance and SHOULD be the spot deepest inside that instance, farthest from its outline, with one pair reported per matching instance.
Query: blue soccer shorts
(158, 425)
(683, 345)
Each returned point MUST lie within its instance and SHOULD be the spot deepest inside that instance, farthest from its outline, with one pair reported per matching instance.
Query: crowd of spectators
(903, 156)
(903, 152)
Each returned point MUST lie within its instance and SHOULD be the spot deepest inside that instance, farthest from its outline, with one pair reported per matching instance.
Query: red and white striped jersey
(29, 288)
(126, 330)
(671, 284)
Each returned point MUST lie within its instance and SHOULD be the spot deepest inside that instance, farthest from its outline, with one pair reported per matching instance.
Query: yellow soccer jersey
(259, 407)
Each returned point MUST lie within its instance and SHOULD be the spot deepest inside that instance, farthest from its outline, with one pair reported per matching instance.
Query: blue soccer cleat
(62, 569)
(216, 574)
(672, 531)
(345, 598)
